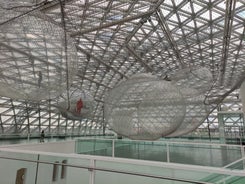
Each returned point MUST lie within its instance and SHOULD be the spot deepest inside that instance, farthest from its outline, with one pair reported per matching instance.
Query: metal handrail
(235, 162)
(170, 142)
(186, 167)
(110, 170)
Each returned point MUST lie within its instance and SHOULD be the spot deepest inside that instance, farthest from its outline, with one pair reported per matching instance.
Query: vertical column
(168, 152)
(55, 171)
(243, 126)
(221, 128)
(92, 174)
(243, 155)
(242, 97)
(113, 148)
(63, 169)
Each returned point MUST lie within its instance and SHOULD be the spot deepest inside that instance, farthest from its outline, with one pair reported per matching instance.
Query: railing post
(113, 148)
(168, 156)
(28, 137)
(243, 156)
(92, 174)
(242, 151)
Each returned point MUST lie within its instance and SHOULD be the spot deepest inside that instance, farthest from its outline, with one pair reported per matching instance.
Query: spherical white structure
(144, 108)
(196, 112)
(34, 64)
(193, 81)
(80, 105)
(193, 84)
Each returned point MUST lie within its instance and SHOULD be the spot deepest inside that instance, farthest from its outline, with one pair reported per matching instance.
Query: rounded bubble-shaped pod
(196, 112)
(144, 108)
(193, 81)
(81, 105)
(193, 85)
(34, 64)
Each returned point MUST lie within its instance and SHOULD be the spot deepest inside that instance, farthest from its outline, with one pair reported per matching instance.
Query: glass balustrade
(120, 162)
(215, 155)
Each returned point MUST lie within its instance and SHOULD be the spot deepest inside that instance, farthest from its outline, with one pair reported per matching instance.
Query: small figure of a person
(79, 106)
(42, 136)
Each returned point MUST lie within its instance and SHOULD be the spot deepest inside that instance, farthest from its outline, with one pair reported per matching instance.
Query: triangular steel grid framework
(118, 38)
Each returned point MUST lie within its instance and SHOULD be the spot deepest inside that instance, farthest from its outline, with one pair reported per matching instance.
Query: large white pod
(144, 108)
(193, 84)
(33, 60)
(196, 112)
(196, 81)
(80, 105)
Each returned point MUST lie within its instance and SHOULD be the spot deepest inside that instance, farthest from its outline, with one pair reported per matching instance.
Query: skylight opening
(242, 14)
(197, 8)
(173, 18)
(205, 15)
(115, 17)
(222, 5)
(186, 7)
(165, 11)
(168, 2)
(239, 30)
(199, 23)
(177, 2)
(191, 24)
(106, 36)
(183, 18)
(215, 15)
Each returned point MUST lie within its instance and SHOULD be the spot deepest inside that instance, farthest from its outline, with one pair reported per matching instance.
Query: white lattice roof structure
(118, 38)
